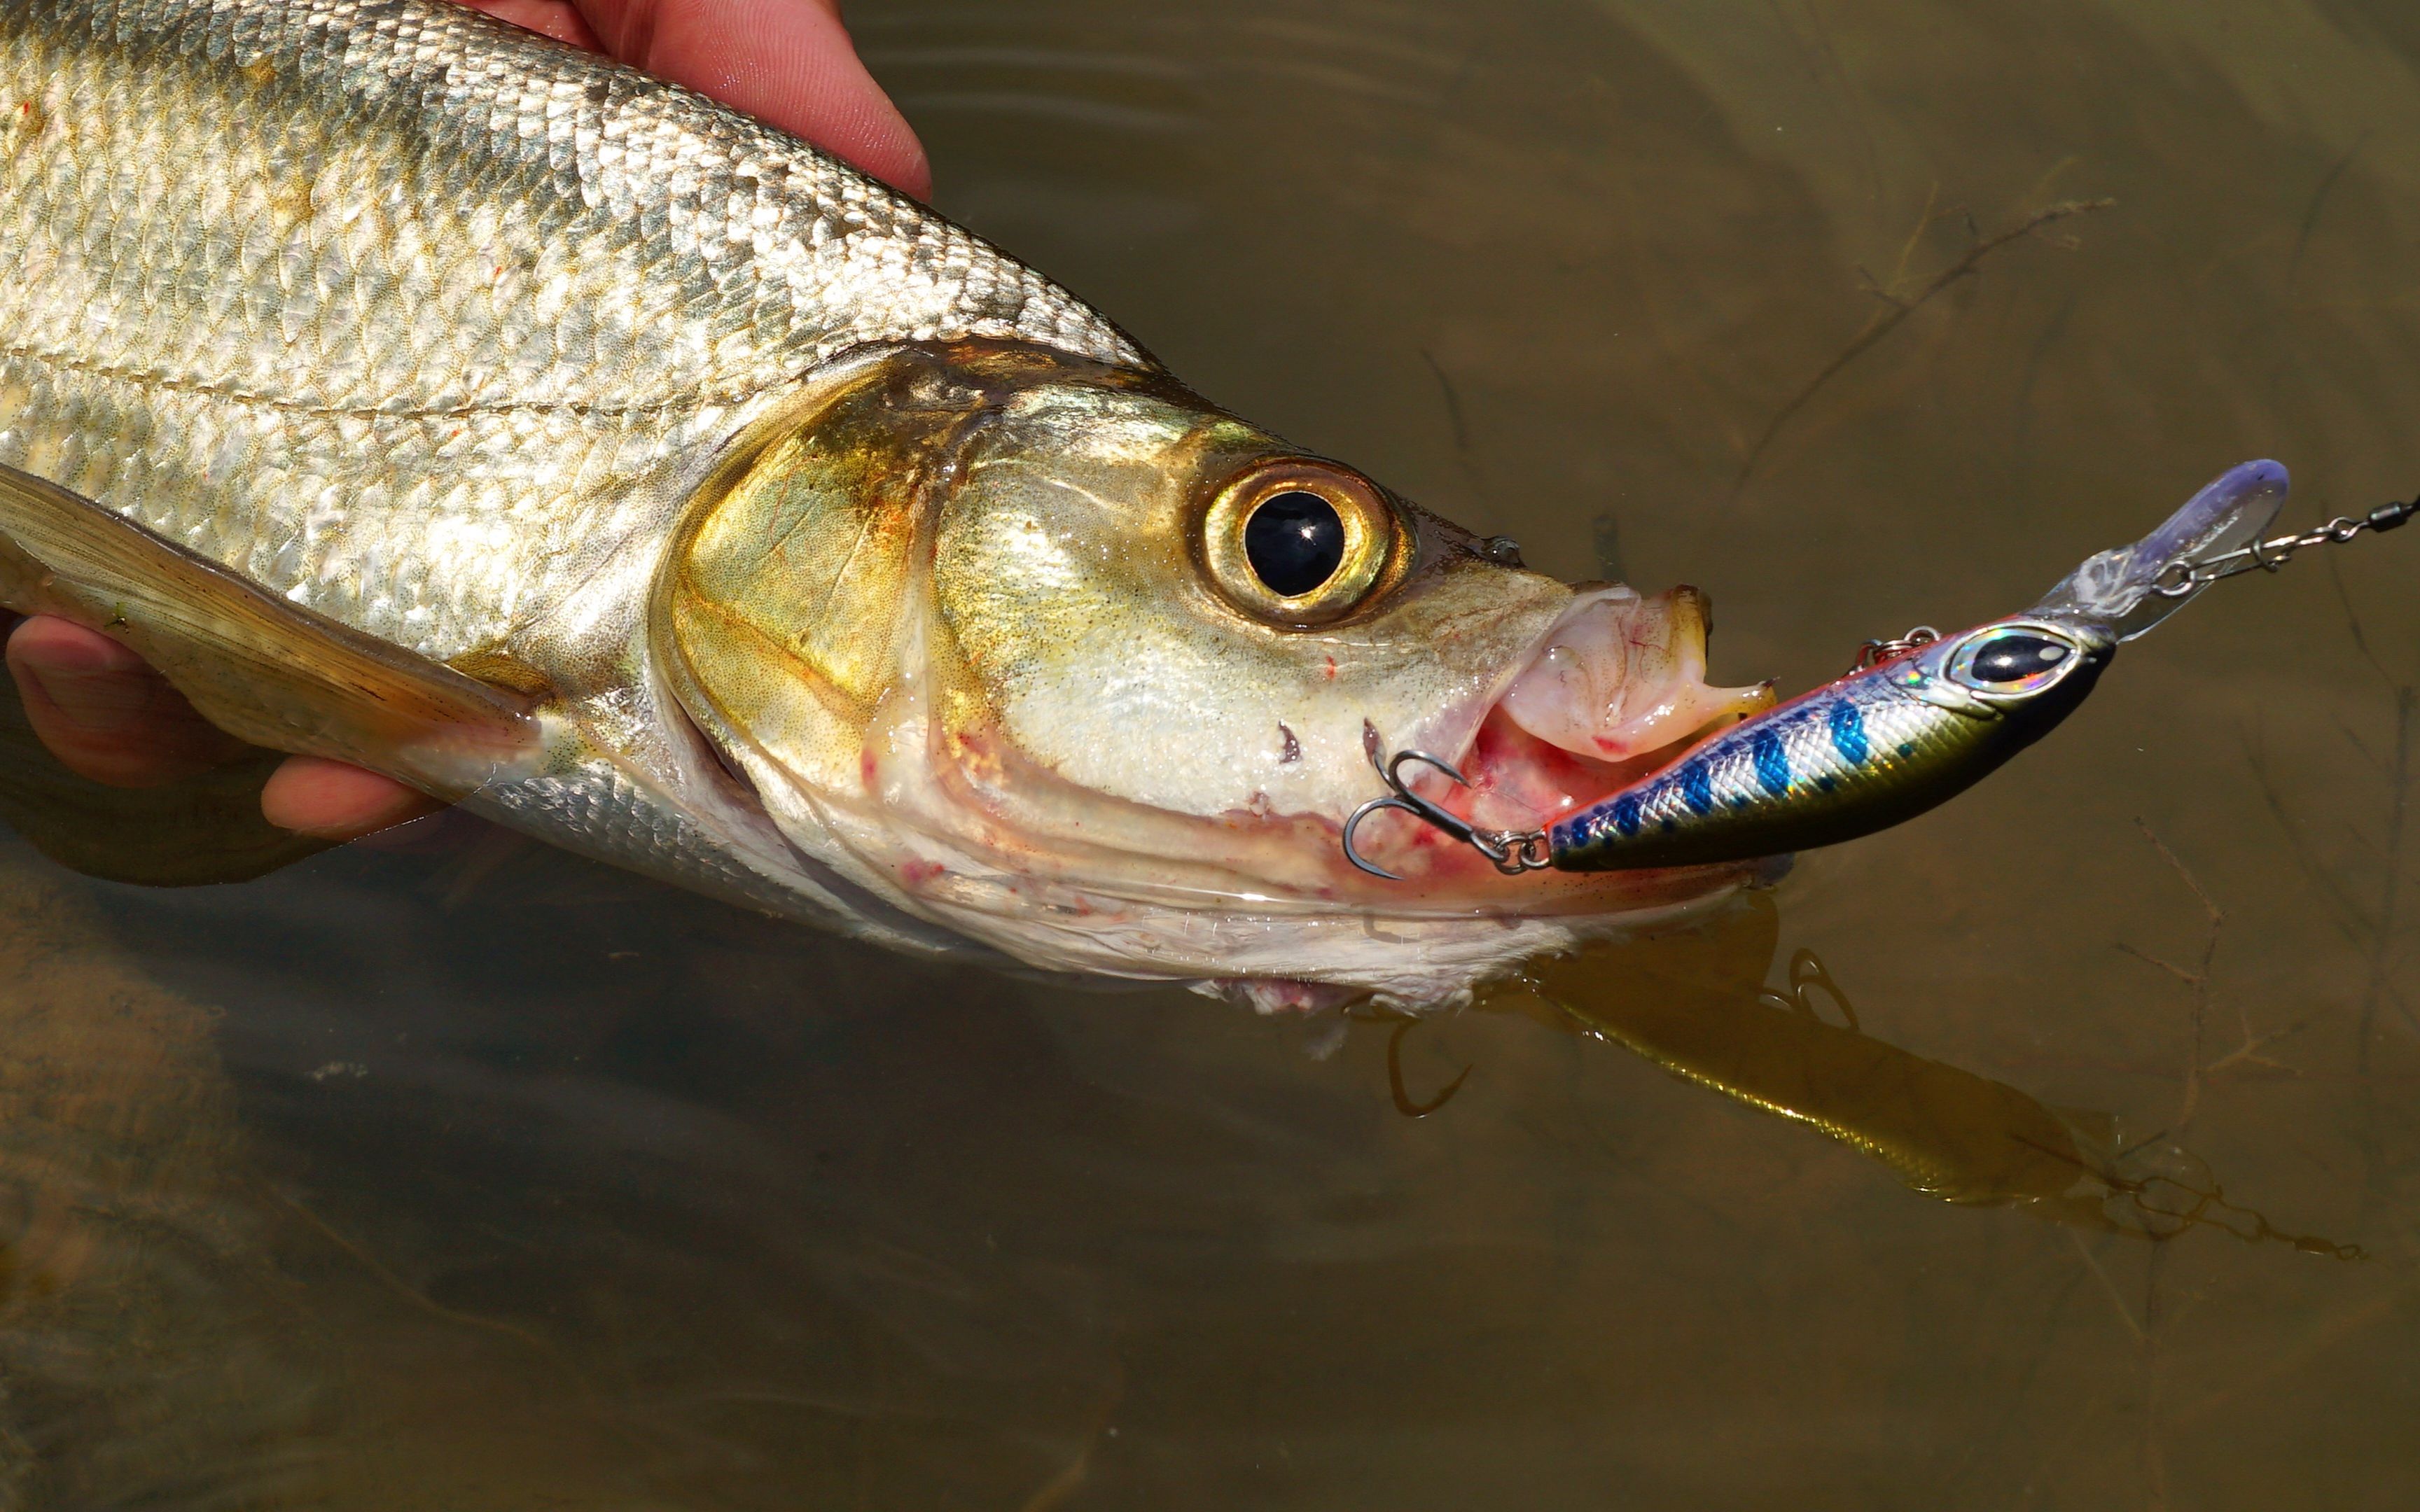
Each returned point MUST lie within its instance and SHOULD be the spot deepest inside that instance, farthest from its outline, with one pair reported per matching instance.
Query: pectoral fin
(259, 667)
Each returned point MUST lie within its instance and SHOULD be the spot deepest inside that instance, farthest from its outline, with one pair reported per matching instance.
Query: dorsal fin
(262, 669)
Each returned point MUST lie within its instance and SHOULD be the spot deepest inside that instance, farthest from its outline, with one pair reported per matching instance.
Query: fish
(419, 392)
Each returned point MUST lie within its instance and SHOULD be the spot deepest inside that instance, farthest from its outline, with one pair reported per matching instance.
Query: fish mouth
(1614, 692)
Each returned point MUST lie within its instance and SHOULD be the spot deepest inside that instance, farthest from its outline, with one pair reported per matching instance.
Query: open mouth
(1615, 691)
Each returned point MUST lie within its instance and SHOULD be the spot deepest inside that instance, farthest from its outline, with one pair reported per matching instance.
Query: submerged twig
(2353, 620)
(2374, 995)
(2372, 926)
(2149, 1337)
(2196, 978)
(2319, 202)
(2207, 1207)
(1453, 402)
(420, 1299)
(2347, 915)
(1896, 310)
(2118, 1302)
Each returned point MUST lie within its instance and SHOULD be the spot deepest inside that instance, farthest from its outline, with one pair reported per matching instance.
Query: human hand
(107, 716)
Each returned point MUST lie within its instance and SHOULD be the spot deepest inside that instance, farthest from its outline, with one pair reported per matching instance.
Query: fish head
(1077, 664)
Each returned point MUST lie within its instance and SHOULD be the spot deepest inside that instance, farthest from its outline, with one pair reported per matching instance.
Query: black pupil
(1295, 542)
(2012, 658)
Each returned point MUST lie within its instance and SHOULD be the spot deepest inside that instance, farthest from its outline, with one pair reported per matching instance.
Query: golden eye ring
(1299, 543)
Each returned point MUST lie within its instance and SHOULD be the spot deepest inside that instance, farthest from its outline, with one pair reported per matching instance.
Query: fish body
(418, 392)
(430, 326)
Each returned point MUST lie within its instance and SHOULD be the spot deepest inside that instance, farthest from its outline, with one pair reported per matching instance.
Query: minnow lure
(1916, 722)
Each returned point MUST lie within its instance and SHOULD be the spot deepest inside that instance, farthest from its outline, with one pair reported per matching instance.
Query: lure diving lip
(1927, 719)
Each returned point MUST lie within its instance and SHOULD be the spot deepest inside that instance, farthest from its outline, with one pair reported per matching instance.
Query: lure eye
(2012, 661)
(1298, 542)
(2012, 658)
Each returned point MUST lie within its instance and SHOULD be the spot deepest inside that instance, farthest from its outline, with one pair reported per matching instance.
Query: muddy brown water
(2059, 1149)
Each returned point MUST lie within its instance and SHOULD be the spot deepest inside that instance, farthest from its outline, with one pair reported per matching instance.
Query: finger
(103, 713)
(558, 19)
(108, 716)
(789, 62)
(329, 800)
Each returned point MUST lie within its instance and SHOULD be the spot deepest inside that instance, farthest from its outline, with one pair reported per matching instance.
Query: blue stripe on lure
(1887, 742)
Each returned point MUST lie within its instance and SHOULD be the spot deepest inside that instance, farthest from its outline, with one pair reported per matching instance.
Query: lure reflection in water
(1889, 741)
(1696, 1006)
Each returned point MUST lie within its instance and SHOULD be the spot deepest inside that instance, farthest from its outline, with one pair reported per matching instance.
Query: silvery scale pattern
(432, 325)
(410, 315)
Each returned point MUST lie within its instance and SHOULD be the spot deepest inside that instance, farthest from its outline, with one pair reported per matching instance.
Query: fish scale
(266, 257)
(431, 325)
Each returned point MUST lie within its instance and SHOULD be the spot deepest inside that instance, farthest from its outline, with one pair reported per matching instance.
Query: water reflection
(1696, 1005)
(460, 1174)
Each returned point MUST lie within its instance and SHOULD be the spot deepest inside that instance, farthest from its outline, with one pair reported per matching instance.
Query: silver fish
(420, 393)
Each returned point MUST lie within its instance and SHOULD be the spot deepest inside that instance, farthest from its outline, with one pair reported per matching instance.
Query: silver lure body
(1854, 756)
(1888, 742)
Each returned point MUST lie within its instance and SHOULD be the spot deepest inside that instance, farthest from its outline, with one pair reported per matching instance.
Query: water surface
(451, 1172)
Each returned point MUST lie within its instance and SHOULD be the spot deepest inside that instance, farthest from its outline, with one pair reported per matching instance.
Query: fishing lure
(1916, 722)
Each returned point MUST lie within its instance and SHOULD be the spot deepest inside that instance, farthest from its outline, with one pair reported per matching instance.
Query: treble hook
(1512, 851)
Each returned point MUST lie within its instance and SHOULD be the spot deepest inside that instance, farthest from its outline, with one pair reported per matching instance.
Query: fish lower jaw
(1304, 963)
(962, 833)
(1109, 910)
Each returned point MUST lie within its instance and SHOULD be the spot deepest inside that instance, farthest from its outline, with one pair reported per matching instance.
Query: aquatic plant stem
(2196, 978)
(2197, 981)
(2407, 702)
(2382, 946)
(1896, 312)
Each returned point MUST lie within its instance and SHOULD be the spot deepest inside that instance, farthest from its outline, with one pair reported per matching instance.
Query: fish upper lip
(1460, 749)
(1520, 781)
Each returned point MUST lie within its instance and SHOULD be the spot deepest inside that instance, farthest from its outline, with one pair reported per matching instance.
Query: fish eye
(2014, 660)
(1298, 542)
(1294, 543)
